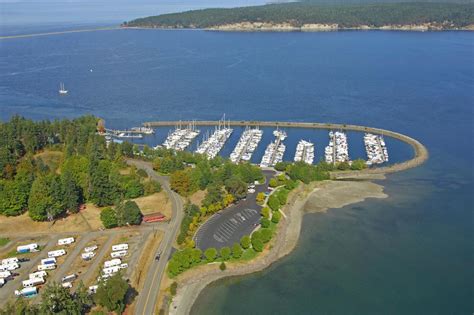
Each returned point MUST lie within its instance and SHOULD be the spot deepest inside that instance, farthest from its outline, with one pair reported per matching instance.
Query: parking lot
(229, 225)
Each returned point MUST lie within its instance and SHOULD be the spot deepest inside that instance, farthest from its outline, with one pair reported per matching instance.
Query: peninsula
(307, 16)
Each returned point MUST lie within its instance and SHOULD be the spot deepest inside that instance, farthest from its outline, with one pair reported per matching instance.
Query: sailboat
(62, 90)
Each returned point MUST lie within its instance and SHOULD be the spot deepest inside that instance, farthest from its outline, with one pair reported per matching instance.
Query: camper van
(119, 247)
(56, 253)
(32, 282)
(118, 254)
(46, 267)
(66, 241)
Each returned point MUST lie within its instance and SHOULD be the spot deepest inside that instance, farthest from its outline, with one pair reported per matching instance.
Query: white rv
(66, 241)
(119, 247)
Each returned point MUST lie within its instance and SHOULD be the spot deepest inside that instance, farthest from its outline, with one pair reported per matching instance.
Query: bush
(274, 202)
(142, 173)
(245, 241)
(264, 222)
(265, 235)
(276, 216)
(225, 253)
(174, 288)
(358, 165)
(260, 197)
(237, 251)
(211, 254)
(257, 245)
(222, 266)
(281, 166)
(343, 166)
(151, 187)
(265, 212)
(273, 183)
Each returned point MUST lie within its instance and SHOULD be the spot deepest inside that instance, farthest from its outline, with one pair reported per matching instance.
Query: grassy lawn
(4, 241)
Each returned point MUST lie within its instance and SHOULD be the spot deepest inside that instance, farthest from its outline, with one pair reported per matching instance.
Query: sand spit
(316, 197)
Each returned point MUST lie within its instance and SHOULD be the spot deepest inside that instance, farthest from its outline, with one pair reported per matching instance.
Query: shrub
(276, 216)
(264, 222)
(257, 244)
(222, 266)
(211, 254)
(265, 235)
(274, 202)
(265, 212)
(237, 251)
(245, 241)
(174, 288)
(225, 253)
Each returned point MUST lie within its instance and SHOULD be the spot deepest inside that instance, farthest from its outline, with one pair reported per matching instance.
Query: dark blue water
(411, 253)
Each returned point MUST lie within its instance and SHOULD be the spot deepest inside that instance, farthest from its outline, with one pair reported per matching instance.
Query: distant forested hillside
(449, 15)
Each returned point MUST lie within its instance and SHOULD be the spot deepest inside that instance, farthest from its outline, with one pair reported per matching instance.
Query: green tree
(225, 253)
(58, 300)
(222, 266)
(273, 182)
(128, 213)
(180, 182)
(273, 202)
(245, 241)
(236, 187)
(41, 204)
(265, 235)
(276, 216)
(133, 188)
(264, 222)
(111, 294)
(70, 192)
(151, 187)
(343, 166)
(211, 254)
(265, 212)
(237, 251)
(103, 192)
(257, 244)
(108, 218)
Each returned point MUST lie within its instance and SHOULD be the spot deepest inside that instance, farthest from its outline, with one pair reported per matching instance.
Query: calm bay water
(411, 253)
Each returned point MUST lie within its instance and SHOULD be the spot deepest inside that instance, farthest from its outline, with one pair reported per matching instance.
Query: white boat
(62, 89)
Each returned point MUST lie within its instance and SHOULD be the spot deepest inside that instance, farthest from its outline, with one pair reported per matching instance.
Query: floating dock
(247, 144)
(304, 152)
(337, 151)
(181, 137)
(275, 150)
(376, 149)
(212, 145)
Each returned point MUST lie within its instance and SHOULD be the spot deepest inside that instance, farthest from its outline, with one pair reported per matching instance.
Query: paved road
(147, 298)
(228, 226)
(65, 267)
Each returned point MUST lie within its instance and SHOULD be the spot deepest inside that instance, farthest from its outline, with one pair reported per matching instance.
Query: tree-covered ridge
(87, 170)
(449, 15)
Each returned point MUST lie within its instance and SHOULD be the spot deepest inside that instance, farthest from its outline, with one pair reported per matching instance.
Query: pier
(420, 152)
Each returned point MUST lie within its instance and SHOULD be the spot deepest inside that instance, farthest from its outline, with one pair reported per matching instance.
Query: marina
(275, 150)
(247, 144)
(337, 150)
(212, 145)
(376, 149)
(181, 137)
(304, 152)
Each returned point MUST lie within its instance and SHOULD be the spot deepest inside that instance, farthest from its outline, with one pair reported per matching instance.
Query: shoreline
(268, 27)
(318, 197)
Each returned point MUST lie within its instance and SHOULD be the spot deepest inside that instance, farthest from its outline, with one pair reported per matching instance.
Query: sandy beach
(316, 197)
